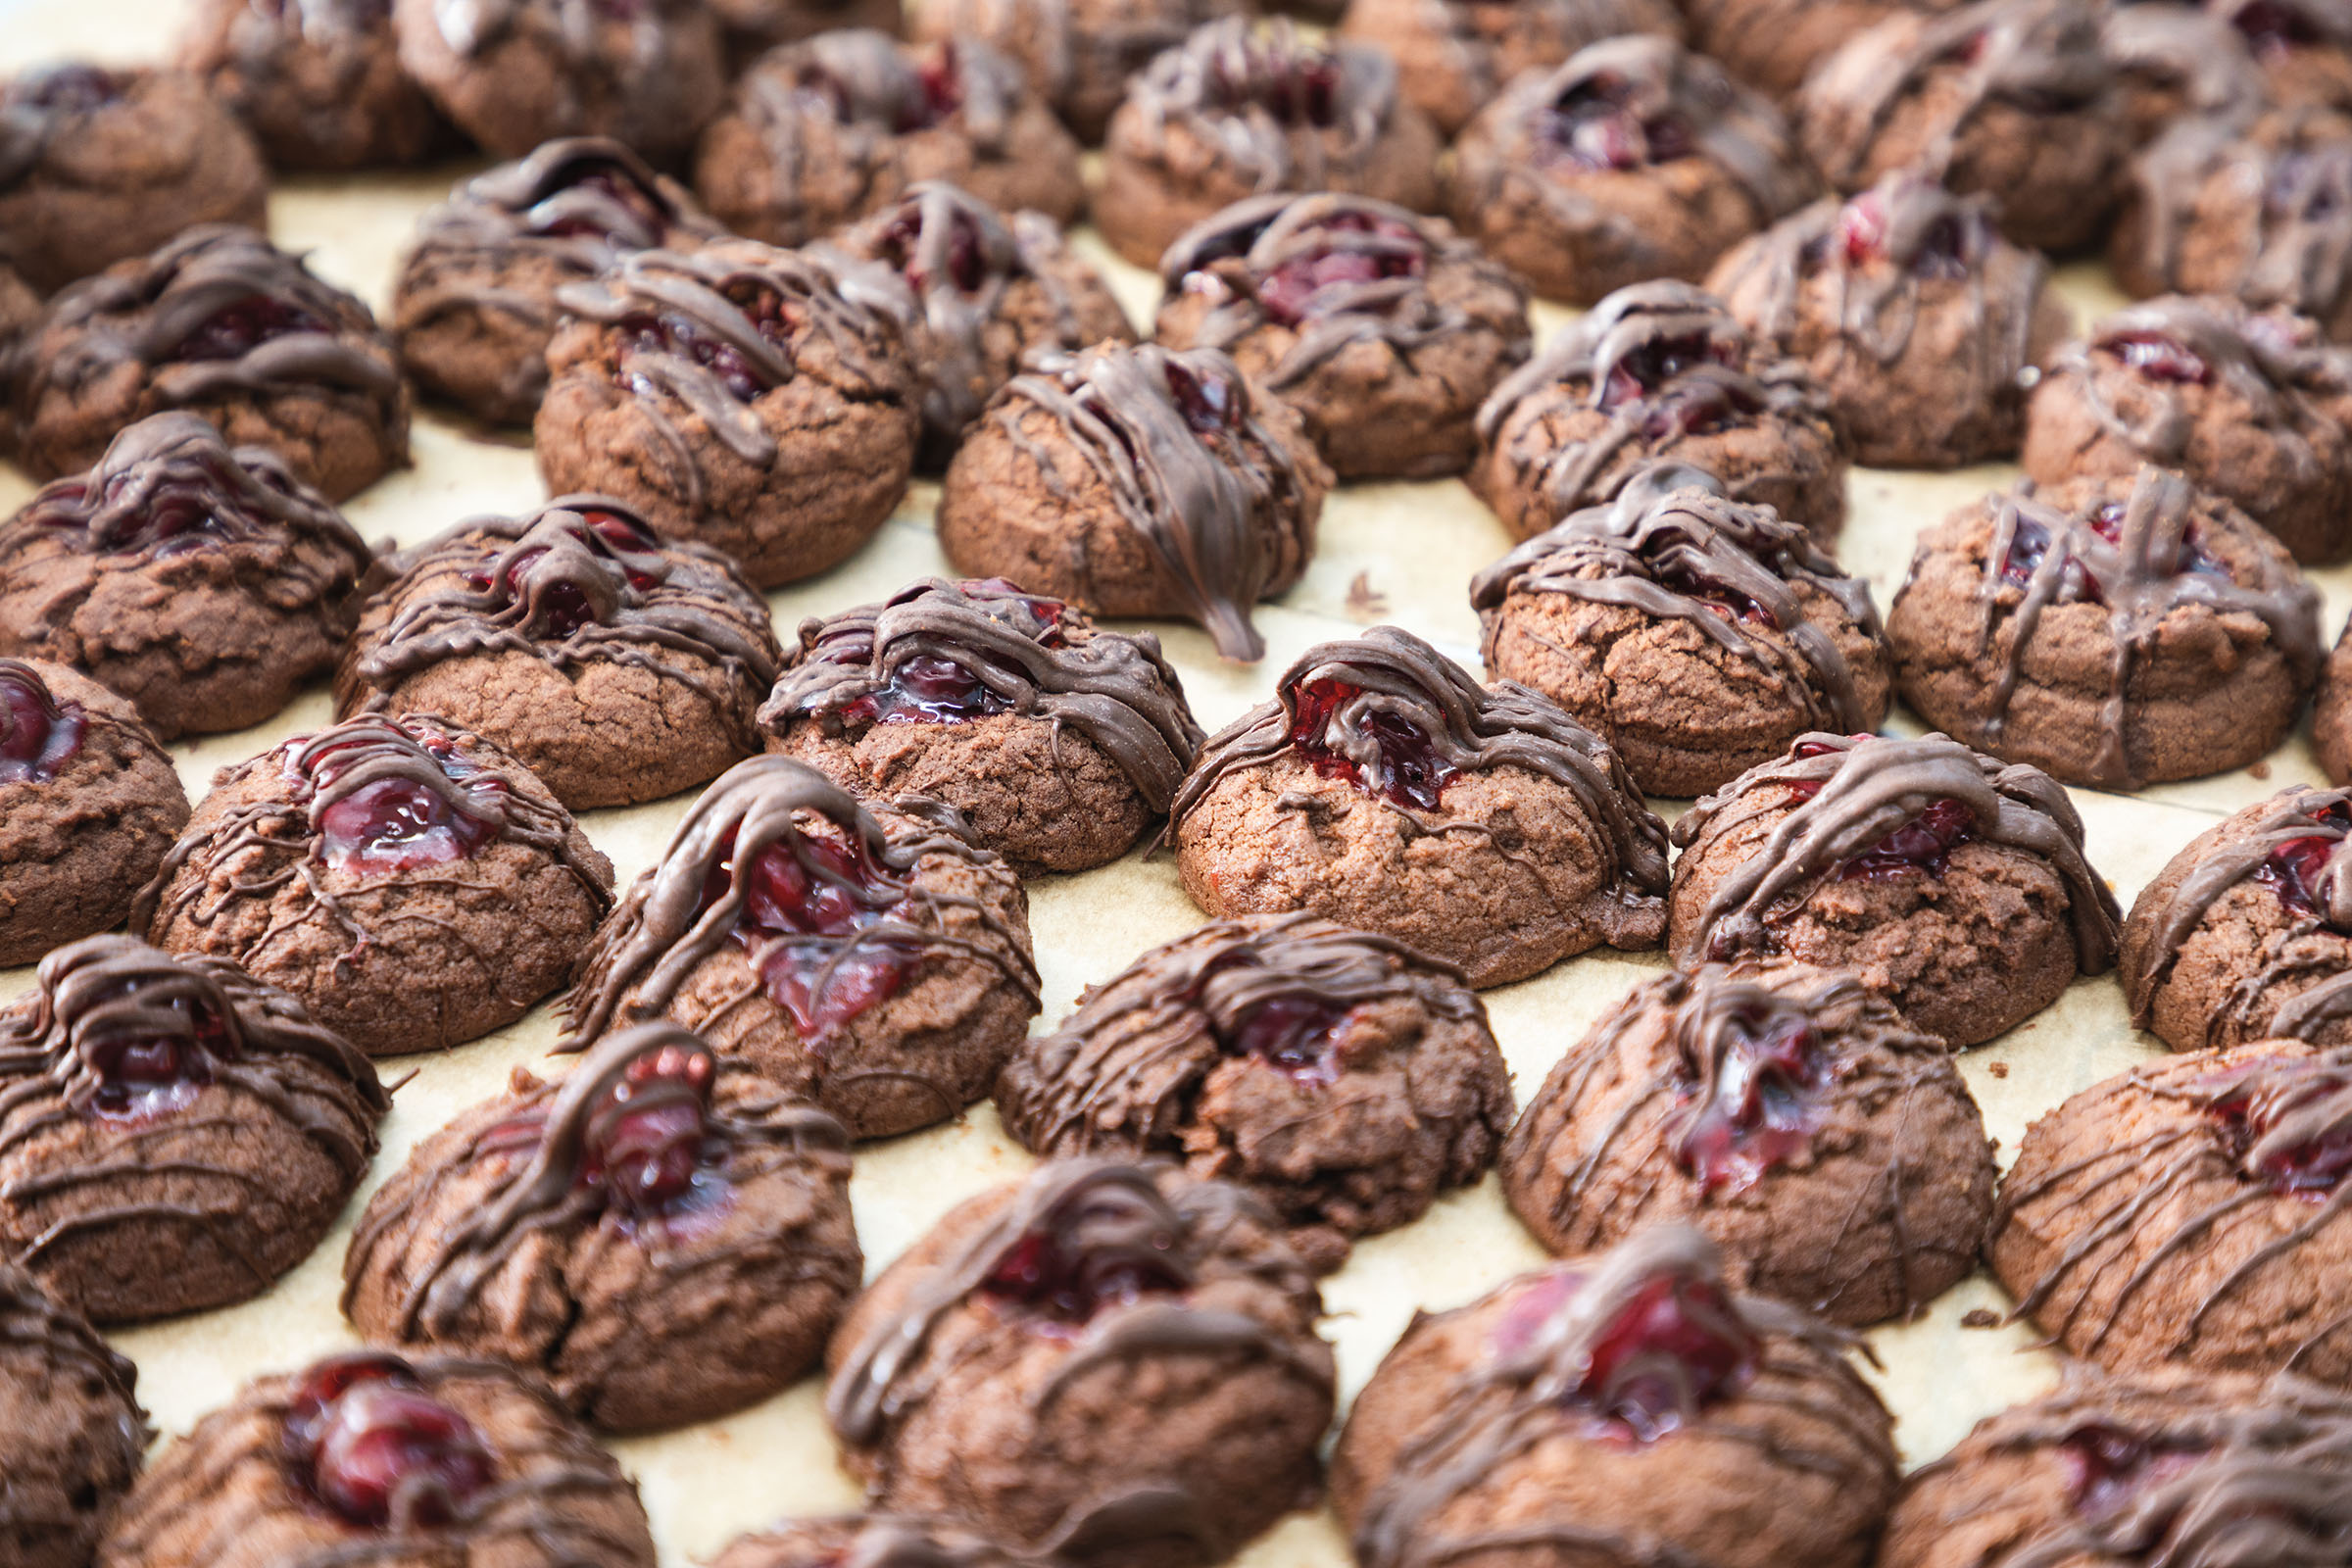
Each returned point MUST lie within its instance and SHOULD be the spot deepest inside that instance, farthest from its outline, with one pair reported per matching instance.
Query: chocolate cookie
(318, 82)
(1697, 636)
(1634, 160)
(2192, 1212)
(474, 303)
(1242, 108)
(1385, 330)
(1773, 45)
(1342, 1077)
(820, 134)
(412, 883)
(372, 1459)
(868, 1541)
(222, 324)
(617, 667)
(1657, 370)
(90, 804)
(203, 583)
(2174, 61)
(1788, 1113)
(744, 397)
(98, 166)
(874, 962)
(1078, 53)
(173, 1133)
(72, 1431)
(1384, 789)
(1921, 325)
(657, 1234)
(2331, 712)
(1627, 1407)
(1059, 743)
(2115, 632)
(1953, 886)
(1139, 482)
(1114, 1363)
(1453, 55)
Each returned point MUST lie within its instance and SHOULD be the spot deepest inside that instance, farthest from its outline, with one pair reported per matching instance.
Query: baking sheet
(1401, 552)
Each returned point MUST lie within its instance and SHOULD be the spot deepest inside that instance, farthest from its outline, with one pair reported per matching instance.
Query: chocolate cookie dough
(2116, 632)
(1385, 330)
(874, 962)
(318, 82)
(1112, 1363)
(1953, 886)
(1384, 789)
(1139, 482)
(412, 883)
(222, 324)
(72, 1431)
(1657, 370)
(1059, 743)
(2331, 712)
(174, 1135)
(748, 398)
(1078, 53)
(1453, 55)
(1773, 45)
(868, 1541)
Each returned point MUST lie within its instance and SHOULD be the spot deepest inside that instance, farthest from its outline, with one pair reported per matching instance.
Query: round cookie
(2190, 1212)
(2176, 61)
(1111, 1363)
(1627, 1407)
(1341, 1076)
(754, 27)
(1632, 161)
(656, 1234)
(2115, 632)
(1453, 55)
(413, 884)
(1773, 45)
(99, 165)
(204, 584)
(1385, 330)
(72, 1432)
(1078, 53)
(1657, 370)
(1953, 886)
(618, 668)
(873, 961)
(1383, 788)
(870, 1540)
(748, 398)
(1786, 1112)
(1139, 482)
(1058, 742)
(222, 324)
(318, 82)
(1242, 108)
(1697, 635)
(371, 1459)
(2331, 712)
(90, 805)
(174, 1136)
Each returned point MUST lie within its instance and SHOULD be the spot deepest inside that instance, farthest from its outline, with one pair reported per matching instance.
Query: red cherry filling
(679, 335)
(1407, 771)
(2029, 545)
(2251, 1111)
(927, 689)
(1054, 1274)
(1756, 1111)
(942, 93)
(394, 824)
(1297, 1035)
(1594, 127)
(238, 329)
(649, 1141)
(2294, 872)
(364, 1438)
(72, 89)
(145, 1076)
(1648, 371)
(1208, 402)
(1676, 1348)
(2105, 1466)
(2160, 358)
(2275, 27)
(175, 520)
(1294, 290)
(818, 970)
(967, 262)
(1296, 89)
(555, 219)
(1721, 598)
(38, 733)
(1943, 252)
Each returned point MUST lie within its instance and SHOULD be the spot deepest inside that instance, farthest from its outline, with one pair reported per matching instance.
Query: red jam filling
(818, 969)
(613, 187)
(1594, 127)
(1297, 1035)
(2294, 869)
(365, 1439)
(237, 328)
(564, 607)
(927, 689)
(1210, 403)
(2160, 358)
(1675, 1349)
(676, 334)
(2313, 1168)
(1757, 1111)
(141, 1077)
(1049, 1272)
(2105, 1467)
(1923, 844)
(2275, 27)
(72, 89)
(1646, 374)
(649, 1145)
(1294, 291)
(1408, 770)
(2029, 545)
(175, 520)
(1301, 89)
(966, 262)
(942, 83)
(1943, 251)
(38, 734)
(1721, 598)
(395, 825)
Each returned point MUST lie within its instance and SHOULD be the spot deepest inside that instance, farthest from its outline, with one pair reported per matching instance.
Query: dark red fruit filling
(2106, 1466)
(1721, 598)
(68, 89)
(567, 222)
(1297, 1035)
(1923, 844)
(237, 329)
(2160, 358)
(1051, 1272)
(143, 1076)
(363, 1439)
(818, 970)
(1647, 372)
(927, 689)
(38, 733)
(1409, 771)
(651, 1140)
(967, 259)
(679, 335)
(1294, 290)
(2274, 27)
(1210, 403)
(1301, 89)
(1757, 1109)
(2294, 871)
(1592, 125)
(1943, 252)
(2252, 1110)
(1675, 1347)
(942, 93)
(2029, 546)
(394, 824)
(175, 520)
(563, 606)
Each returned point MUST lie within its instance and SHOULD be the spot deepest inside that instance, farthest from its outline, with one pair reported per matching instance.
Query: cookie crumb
(2000, 1069)
(1981, 1317)
(1365, 602)
(2261, 770)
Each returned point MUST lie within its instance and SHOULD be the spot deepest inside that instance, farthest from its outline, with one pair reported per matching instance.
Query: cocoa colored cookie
(617, 667)
(1453, 55)
(2251, 407)
(873, 961)
(2190, 1212)
(1383, 788)
(412, 883)
(318, 82)
(822, 132)
(1059, 743)
(90, 805)
(222, 324)
(657, 1234)
(2175, 61)
(1078, 53)
(368, 1458)
(2331, 712)
(1111, 1363)
(1953, 886)
(1773, 45)
(2116, 632)
(98, 166)
(1792, 1116)
(1627, 1407)
(1385, 330)
(1657, 370)
(474, 303)
(1632, 161)
(1342, 1077)
(72, 1431)
(868, 1541)
(754, 27)
(1242, 108)
(1922, 325)
(1139, 482)
(2010, 98)
(1697, 636)
(205, 584)
(744, 397)
(174, 1135)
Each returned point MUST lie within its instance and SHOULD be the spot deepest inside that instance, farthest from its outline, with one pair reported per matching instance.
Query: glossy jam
(1048, 1271)
(613, 187)
(2294, 871)
(1923, 844)
(141, 1077)
(564, 607)
(38, 735)
(966, 261)
(648, 1146)
(1210, 404)
(2314, 1169)
(1296, 89)
(2160, 358)
(365, 1439)
(1593, 127)
(685, 338)
(927, 689)
(1759, 1110)
(2274, 27)
(2029, 545)
(2105, 1467)
(1408, 770)
(1672, 1350)
(818, 969)
(237, 328)
(1293, 292)
(1297, 1035)
(1945, 252)
(1721, 598)
(175, 520)
(395, 825)
(942, 82)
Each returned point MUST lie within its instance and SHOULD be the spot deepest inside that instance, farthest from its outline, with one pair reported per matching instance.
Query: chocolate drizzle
(2184, 52)
(1236, 85)
(2299, 162)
